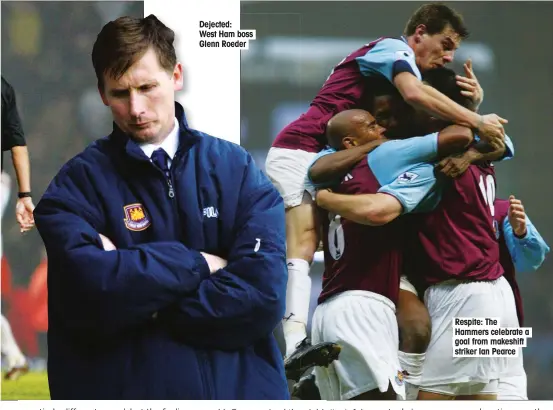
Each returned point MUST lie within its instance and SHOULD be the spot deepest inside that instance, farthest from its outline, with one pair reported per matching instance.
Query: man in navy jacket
(166, 246)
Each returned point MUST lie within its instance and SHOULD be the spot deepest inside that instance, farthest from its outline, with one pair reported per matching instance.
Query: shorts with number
(364, 324)
(457, 299)
(287, 170)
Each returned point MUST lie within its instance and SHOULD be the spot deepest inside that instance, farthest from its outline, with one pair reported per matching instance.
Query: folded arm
(245, 301)
(98, 292)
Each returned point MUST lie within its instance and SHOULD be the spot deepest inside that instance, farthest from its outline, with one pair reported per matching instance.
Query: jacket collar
(187, 137)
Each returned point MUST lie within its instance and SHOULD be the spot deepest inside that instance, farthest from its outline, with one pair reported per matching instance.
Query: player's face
(142, 101)
(436, 50)
(367, 130)
(392, 113)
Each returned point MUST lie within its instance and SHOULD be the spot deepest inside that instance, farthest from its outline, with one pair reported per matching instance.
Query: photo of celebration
(408, 141)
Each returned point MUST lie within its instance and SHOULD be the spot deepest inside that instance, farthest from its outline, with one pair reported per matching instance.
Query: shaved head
(344, 124)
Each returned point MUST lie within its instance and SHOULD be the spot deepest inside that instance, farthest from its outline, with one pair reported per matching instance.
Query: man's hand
(470, 85)
(321, 194)
(107, 244)
(490, 129)
(517, 217)
(24, 214)
(454, 166)
(215, 262)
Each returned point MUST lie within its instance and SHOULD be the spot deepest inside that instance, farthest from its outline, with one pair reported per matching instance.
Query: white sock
(412, 363)
(298, 293)
(9, 347)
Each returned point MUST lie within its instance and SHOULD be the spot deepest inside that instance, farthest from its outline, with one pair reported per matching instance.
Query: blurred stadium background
(298, 43)
(46, 50)
(46, 57)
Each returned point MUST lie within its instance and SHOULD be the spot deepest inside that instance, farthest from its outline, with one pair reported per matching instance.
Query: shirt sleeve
(396, 157)
(527, 253)
(388, 58)
(411, 187)
(12, 129)
(311, 186)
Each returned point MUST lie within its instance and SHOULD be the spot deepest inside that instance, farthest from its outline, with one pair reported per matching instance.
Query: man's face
(142, 101)
(399, 118)
(436, 50)
(393, 113)
(364, 129)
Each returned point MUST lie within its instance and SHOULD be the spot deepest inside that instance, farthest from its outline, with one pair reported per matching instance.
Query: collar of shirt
(170, 144)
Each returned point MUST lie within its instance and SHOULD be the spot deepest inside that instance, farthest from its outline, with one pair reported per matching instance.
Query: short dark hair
(436, 17)
(124, 41)
(443, 79)
(379, 86)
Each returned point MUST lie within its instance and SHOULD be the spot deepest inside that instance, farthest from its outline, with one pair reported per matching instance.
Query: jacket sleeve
(237, 306)
(527, 253)
(97, 292)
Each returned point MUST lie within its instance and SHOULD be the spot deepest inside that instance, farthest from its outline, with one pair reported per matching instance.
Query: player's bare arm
(454, 139)
(455, 165)
(366, 209)
(337, 164)
(25, 206)
(489, 127)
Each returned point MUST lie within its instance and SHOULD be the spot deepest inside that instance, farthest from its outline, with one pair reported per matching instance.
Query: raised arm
(427, 98)
(245, 301)
(395, 60)
(524, 242)
(97, 292)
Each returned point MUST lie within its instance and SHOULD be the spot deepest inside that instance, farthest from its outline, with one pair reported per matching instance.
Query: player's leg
(464, 374)
(365, 326)
(301, 243)
(16, 362)
(414, 336)
(512, 383)
(287, 170)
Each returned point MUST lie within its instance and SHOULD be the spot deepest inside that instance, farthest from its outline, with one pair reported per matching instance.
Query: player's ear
(349, 142)
(420, 31)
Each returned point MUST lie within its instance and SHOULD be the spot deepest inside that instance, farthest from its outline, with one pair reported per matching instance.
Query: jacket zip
(202, 356)
(172, 196)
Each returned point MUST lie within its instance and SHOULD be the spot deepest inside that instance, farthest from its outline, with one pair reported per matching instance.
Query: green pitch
(32, 386)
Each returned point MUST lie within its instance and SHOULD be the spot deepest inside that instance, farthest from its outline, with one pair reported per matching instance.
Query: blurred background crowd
(46, 50)
(511, 43)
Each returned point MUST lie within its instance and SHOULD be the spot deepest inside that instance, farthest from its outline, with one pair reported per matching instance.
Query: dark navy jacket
(148, 321)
